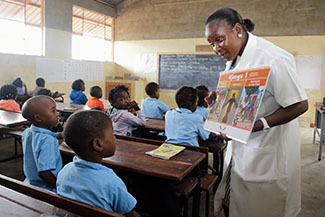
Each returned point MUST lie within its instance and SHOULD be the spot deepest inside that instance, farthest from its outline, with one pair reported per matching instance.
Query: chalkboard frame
(186, 53)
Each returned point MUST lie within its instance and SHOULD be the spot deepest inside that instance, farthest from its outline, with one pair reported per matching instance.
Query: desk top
(12, 118)
(131, 156)
(13, 203)
(318, 106)
(155, 124)
(70, 108)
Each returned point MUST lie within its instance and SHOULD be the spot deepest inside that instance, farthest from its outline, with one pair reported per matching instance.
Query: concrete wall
(58, 42)
(168, 19)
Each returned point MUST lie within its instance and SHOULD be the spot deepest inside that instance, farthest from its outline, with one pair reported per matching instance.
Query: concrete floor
(312, 170)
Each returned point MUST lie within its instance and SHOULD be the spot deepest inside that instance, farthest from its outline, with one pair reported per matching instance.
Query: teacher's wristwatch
(265, 124)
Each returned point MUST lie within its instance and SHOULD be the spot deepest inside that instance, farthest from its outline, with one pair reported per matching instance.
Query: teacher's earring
(239, 35)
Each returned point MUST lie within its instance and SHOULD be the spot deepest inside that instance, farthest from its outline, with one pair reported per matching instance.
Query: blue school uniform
(41, 153)
(184, 126)
(78, 97)
(153, 108)
(94, 184)
(201, 110)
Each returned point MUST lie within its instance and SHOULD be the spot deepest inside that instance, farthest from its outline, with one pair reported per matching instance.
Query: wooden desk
(12, 118)
(70, 108)
(319, 125)
(14, 204)
(155, 124)
(130, 156)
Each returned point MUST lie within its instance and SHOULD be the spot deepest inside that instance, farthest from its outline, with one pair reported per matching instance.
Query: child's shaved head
(34, 106)
(83, 127)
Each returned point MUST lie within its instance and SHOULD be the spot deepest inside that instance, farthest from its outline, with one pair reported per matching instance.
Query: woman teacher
(265, 172)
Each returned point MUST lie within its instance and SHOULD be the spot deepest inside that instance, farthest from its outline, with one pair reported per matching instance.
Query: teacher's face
(224, 39)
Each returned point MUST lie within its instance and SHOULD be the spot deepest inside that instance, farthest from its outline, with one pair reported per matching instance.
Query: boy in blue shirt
(202, 105)
(151, 106)
(182, 125)
(42, 159)
(90, 135)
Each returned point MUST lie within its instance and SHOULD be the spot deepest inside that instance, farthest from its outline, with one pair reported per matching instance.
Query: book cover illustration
(166, 151)
(239, 95)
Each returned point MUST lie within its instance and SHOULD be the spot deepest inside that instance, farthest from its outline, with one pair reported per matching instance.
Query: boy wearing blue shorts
(42, 159)
(90, 136)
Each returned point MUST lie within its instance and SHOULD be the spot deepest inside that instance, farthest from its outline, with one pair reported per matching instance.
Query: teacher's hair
(232, 17)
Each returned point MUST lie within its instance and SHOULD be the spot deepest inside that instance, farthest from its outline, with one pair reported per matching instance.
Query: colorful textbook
(166, 151)
(239, 94)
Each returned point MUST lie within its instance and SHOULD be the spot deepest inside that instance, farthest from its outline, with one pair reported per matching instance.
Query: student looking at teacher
(202, 105)
(42, 159)
(151, 106)
(182, 125)
(124, 122)
(90, 136)
(273, 188)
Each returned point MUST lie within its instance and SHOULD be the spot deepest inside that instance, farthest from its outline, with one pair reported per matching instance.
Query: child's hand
(134, 105)
(211, 99)
(60, 135)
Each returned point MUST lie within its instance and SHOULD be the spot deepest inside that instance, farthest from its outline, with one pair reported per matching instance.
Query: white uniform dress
(265, 175)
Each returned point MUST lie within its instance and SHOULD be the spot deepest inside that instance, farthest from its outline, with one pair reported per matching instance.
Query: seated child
(151, 106)
(40, 82)
(90, 136)
(42, 159)
(8, 94)
(182, 124)
(123, 120)
(202, 105)
(94, 101)
(77, 96)
(19, 84)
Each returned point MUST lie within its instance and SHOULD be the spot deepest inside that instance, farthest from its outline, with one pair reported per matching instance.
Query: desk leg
(196, 196)
(321, 137)
(315, 127)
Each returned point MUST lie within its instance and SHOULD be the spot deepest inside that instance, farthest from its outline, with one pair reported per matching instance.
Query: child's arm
(135, 120)
(132, 214)
(48, 177)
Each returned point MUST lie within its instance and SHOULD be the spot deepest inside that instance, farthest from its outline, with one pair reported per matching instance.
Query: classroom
(134, 42)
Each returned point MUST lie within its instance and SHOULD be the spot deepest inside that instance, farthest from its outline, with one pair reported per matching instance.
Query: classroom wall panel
(165, 19)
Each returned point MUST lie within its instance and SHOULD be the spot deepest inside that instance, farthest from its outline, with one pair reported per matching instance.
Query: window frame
(85, 20)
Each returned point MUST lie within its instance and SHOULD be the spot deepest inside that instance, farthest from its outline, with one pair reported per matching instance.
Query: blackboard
(176, 70)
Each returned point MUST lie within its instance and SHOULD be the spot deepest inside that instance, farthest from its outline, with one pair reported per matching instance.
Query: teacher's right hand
(211, 99)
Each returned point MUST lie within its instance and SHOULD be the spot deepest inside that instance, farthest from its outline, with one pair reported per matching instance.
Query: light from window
(92, 37)
(21, 32)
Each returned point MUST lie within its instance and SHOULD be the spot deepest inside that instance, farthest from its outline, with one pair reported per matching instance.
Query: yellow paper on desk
(166, 151)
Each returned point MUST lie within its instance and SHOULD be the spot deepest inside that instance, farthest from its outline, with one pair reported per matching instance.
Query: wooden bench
(72, 206)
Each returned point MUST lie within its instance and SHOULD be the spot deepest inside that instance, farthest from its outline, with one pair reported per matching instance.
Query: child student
(40, 84)
(19, 84)
(42, 159)
(182, 124)
(90, 135)
(202, 105)
(152, 107)
(77, 96)
(94, 101)
(8, 94)
(123, 120)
